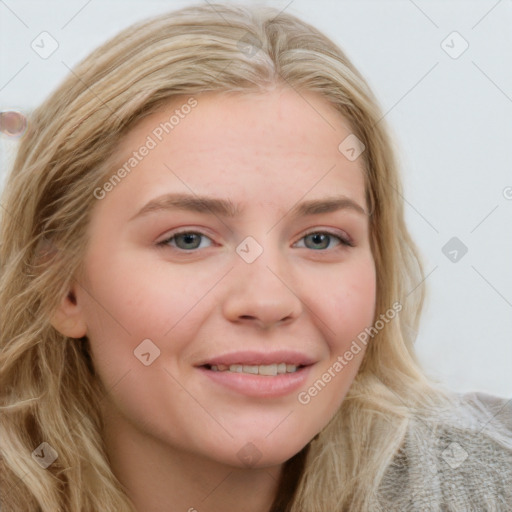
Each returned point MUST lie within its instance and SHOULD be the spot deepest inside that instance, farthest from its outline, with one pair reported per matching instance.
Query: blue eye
(186, 240)
(191, 240)
(322, 240)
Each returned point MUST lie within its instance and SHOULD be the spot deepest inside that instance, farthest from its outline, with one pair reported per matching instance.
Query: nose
(262, 292)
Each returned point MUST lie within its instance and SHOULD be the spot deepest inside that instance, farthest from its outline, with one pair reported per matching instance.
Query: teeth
(270, 370)
(250, 369)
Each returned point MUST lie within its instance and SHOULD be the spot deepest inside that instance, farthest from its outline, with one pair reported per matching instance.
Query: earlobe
(68, 318)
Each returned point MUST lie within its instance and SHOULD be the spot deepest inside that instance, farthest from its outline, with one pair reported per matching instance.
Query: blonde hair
(50, 392)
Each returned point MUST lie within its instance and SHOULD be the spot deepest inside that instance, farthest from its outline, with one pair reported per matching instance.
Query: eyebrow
(226, 208)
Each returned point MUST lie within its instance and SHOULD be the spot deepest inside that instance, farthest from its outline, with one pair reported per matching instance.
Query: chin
(260, 454)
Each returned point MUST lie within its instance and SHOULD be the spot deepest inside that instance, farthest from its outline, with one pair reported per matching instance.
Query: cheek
(347, 311)
(357, 303)
(350, 307)
(138, 299)
(126, 301)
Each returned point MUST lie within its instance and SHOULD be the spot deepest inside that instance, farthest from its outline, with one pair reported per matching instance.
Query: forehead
(248, 145)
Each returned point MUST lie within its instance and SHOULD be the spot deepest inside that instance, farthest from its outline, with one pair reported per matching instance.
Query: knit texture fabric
(458, 460)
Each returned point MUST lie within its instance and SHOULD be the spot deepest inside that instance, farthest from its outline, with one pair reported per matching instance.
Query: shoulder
(456, 459)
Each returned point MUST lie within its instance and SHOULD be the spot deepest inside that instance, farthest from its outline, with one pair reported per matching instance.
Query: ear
(68, 318)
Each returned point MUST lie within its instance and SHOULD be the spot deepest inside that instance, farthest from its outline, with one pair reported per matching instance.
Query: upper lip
(257, 358)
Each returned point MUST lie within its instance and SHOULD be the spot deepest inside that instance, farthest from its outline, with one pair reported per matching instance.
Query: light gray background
(451, 117)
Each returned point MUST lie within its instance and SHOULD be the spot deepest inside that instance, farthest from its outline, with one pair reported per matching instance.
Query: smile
(269, 370)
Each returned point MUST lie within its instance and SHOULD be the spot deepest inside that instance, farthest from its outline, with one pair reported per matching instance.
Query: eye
(319, 240)
(192, 240)
(185, 240)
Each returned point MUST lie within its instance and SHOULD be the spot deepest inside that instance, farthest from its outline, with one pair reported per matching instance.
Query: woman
(209, 293)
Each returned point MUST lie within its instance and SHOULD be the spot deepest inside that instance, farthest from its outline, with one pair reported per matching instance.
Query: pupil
(189, 238)
(320, 239)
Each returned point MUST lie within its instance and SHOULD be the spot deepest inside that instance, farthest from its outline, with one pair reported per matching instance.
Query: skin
(173, 437)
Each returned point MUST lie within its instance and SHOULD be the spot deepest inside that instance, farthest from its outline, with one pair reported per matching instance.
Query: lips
(258, 358)
(259, 374)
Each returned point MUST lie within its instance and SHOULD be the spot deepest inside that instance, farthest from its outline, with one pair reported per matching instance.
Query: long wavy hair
(49, 389)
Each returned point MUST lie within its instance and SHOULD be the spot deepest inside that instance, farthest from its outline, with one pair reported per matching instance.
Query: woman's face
(271, 272)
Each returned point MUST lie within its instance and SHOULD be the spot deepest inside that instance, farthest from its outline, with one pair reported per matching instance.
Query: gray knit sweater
(459, 461)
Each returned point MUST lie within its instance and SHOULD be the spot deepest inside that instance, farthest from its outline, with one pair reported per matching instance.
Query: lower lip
(260, 385)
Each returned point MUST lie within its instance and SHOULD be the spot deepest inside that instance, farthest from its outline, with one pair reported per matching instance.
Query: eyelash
(346, 242)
